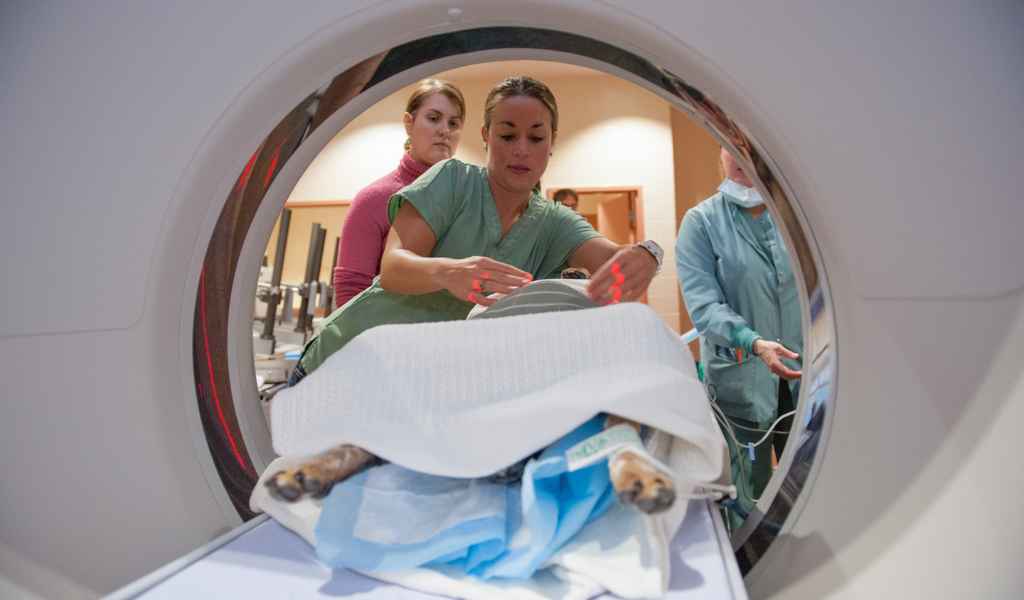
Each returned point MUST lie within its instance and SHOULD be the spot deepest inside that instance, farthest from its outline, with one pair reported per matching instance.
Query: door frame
(635, 191)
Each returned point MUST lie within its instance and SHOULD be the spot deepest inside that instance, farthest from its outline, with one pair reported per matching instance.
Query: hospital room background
(616, 143)
(892, 132)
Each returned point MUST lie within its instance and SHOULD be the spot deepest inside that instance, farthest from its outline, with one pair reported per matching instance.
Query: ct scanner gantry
(895, 130)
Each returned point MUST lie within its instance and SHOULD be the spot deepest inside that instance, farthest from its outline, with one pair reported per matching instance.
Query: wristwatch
(655, 250)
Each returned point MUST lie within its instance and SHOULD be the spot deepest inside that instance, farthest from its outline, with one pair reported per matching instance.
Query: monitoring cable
(728, 426)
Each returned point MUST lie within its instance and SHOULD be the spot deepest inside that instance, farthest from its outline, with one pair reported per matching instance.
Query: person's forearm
(715, 321)
(405, 272)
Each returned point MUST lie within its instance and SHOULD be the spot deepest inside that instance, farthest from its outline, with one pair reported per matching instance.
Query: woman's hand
(470, 277)
(623, 277)
(771, 353)
(408, 268)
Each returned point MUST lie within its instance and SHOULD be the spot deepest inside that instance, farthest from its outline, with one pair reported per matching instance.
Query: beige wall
(611, 134)
(615, 134)
(697, 177)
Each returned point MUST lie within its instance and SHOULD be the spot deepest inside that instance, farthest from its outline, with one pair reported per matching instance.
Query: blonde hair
(520, 86)
(424, 89)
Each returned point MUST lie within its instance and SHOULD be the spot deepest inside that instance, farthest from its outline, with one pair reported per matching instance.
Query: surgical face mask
(740, 195)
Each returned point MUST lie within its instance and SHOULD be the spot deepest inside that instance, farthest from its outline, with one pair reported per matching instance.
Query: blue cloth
(390, 519)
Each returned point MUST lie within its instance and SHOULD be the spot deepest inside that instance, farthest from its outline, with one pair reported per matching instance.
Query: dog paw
(316, 476)
(292, 484)
(637, 483)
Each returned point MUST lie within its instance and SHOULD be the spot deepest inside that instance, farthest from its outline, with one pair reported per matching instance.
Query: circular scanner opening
(227, 397)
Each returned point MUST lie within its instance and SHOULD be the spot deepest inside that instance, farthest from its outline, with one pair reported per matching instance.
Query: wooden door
(615, 212)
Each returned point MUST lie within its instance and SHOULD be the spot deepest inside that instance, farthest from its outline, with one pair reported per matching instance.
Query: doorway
(615, 212)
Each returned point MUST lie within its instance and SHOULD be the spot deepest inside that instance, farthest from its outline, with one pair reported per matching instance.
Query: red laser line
(248, 168)
(529, 278)
(209, 363)
(270, 171)
(273, 161)
(286, 138)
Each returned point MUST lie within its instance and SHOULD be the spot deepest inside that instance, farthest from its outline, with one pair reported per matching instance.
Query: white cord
(727, 425)
(767, 433)
(725, 422)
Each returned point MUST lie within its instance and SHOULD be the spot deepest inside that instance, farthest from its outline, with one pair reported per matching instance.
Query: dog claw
(628, 495)
(287, 493)
(662, 501)
(317, 490)
(310, 486)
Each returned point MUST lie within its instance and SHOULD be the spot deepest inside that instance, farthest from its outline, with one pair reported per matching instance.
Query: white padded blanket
(468, 398)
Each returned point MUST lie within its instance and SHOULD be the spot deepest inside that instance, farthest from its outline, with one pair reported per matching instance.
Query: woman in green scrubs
(461, 232)
(737, 283)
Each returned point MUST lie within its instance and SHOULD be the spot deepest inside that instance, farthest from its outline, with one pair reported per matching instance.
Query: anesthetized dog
(633, 478)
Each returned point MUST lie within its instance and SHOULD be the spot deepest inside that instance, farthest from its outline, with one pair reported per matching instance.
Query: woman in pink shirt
(433, 120)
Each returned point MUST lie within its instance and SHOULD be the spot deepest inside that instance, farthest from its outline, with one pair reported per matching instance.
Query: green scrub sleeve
(434, 196)
(743, 338)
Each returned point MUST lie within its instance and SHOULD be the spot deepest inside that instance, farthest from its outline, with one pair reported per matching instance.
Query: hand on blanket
(624, 277)
(470, 277)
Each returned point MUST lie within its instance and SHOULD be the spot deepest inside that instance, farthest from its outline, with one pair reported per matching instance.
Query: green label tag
(603, 444)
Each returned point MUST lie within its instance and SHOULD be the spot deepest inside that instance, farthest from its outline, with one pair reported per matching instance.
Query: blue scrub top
(731, 283)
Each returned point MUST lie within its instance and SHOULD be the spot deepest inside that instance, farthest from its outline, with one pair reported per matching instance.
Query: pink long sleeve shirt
(365, 231)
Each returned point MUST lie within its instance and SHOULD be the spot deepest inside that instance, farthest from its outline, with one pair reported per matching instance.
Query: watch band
(655, 250)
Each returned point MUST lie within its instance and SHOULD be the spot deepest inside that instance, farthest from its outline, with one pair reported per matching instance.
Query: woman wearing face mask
(461, 232)
(433, 121)
(737, 283)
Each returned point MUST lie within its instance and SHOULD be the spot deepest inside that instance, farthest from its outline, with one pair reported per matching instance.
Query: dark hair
(425, 88)
(562, 193)
(520, 86)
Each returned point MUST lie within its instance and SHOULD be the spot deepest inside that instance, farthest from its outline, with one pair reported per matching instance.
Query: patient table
(262, 559)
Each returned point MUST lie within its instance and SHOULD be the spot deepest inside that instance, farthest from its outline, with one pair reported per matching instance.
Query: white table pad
(271, 562)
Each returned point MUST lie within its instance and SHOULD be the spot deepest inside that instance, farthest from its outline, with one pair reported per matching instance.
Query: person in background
(568, 197)
(737, 283)
(461, 232)
(433, 121)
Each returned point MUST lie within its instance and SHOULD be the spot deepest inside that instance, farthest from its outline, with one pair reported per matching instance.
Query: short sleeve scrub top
(456, 202)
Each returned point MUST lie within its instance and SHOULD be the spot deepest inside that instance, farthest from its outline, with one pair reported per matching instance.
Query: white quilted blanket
(468, 398)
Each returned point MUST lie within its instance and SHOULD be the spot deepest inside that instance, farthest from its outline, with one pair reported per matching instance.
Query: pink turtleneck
(365, 231)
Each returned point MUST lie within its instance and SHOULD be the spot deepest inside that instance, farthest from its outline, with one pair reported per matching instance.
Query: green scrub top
(456, 202)
(737, 289)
